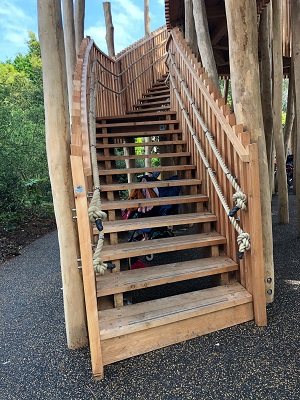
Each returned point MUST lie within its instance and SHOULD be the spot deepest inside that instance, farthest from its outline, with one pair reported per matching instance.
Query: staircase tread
(150, 184)
(144, 110)
(146, 103)
(121, 171)
(155, 98)
(124, 116)
(138, 123)
(156, 93)
(160, 221)
(139, 134)
(161, 143)
(124, 281)
(142, 156)
(155, 246)
(137, 317)
(155, 201)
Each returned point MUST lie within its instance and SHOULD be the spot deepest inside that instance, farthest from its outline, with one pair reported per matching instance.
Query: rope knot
(244, 243)
(240, 200)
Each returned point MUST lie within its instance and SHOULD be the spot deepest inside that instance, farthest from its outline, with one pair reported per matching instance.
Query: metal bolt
(269, 280)
(269, 291)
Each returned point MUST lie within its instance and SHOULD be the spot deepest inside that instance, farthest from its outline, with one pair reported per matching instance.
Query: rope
(239, 197)
(243, 238)
(96, 215)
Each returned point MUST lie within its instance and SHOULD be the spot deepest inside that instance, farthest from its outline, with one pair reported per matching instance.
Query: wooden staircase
(190, 287)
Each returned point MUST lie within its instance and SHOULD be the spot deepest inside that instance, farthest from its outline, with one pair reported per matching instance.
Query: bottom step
(139, 328)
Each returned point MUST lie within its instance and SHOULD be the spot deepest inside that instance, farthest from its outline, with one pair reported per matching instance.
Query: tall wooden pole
(147, 18)
(204, 42)
(109, 29)
(295, 11)
(245, 86)
(283, 208)
(189, 27)
(57, 126)
(70, 49)
(79, 22)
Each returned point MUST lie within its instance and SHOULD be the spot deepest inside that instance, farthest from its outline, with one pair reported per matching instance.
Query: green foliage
(24, 181)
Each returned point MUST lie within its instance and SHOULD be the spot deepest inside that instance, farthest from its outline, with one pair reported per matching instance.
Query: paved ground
(243, 362)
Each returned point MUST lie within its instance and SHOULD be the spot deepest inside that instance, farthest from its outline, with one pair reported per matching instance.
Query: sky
(19, 16)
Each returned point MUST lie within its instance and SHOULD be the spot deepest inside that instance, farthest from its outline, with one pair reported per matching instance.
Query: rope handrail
(239, 148)
(134, 79)
(126, 69)
(243, 237)
(239, 197)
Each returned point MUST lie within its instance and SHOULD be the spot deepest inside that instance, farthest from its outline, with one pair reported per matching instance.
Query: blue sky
(19, 16)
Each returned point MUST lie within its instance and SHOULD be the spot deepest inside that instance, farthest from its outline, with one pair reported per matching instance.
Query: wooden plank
(137, 123)
(143, 110)
(150, 314)
(151, 222)
(155, 201)
(162, 274)
(156, 246)
(150, 184)
(133, 116)
(138, 133)
(87, 264)
(105, 172)
(120, 348)
(142, 156)
(162, 143)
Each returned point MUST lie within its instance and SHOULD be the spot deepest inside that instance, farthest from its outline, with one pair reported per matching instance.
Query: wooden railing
(239, 155)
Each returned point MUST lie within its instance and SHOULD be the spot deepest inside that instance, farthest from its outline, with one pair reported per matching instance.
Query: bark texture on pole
(204, 42)
(70, 49)
(189, 27)
(58, 153)
(147, 18)
(79, 22)
(283, 208)
(295, 11)
(109, 29)
(265, 43)
(245, 86)
(290, 112)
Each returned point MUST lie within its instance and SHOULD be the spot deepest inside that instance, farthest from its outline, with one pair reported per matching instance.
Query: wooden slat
(150, 184)
(162, 274)
(142, 156)
(137, 123)
(105, 172)
(156, 246)
(150, 314)
(161, 143)
(132, 116)
(157, 201)
(151, 222)
(139, 133)
(143, 110)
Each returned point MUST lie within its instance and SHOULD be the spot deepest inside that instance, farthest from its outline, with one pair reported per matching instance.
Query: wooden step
(156, 222)
(155, 201)
(137, 185)
(139, 328)
(137, 123)
(132, 116)
(125, 281)
(155, 246)
(138, 134)
(120, 145)
(147, 103)
(143, 110)
(142, 156)
(155, 98)
(156, 93)
(120, 171)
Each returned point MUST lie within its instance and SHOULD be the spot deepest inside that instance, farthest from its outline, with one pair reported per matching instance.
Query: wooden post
(245, 85)
(204, 42)
(290, 112)
(70, 50)
(79, 22)
(147, 18)
(190, 30)
(283, 208)
(295, 11)
(109, 29)
(58, 153)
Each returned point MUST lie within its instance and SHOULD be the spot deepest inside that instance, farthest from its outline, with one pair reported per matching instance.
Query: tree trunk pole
(245, 86)
(283, 208)
(295, 11)
(70, 49)
(57, 126)
(204, 42)
(189, 27)
(290, 112)
(79, 23)
(266, 85)
(147, 18)
(109, 29)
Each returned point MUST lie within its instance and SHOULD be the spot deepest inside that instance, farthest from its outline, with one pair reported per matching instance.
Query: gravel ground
(242, 362)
